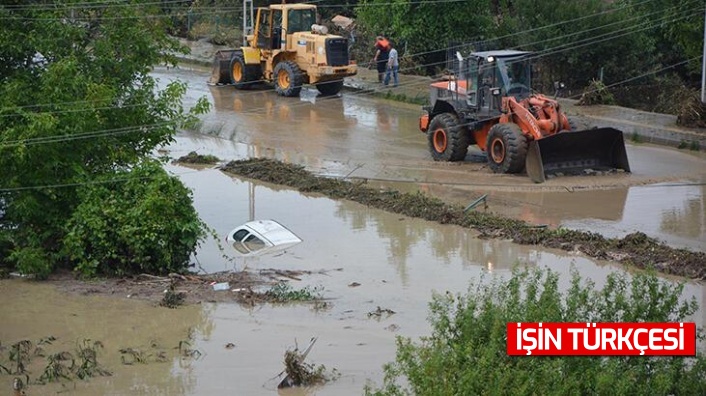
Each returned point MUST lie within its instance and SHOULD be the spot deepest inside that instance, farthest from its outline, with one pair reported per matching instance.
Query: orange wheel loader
(488, 101)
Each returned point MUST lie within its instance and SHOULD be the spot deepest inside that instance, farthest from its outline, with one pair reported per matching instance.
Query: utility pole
(703, 66)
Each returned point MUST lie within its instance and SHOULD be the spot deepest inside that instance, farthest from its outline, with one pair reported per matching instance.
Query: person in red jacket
(382, 52)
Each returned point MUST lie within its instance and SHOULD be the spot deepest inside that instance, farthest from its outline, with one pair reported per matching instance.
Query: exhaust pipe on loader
(570, 152)
(220, 72)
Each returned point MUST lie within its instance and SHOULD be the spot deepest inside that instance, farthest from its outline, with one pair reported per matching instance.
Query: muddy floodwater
(360, 258)
(366, 138)
(396, 262)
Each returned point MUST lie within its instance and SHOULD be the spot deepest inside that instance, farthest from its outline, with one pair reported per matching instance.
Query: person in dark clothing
(382, 52)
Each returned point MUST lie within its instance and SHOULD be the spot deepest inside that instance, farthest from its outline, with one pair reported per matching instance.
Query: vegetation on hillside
(646, 53)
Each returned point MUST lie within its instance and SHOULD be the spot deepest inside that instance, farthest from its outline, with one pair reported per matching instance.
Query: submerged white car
(261, 237)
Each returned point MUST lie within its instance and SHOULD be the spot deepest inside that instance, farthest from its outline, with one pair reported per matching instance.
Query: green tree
(465, 354)
(577, 40)
(423, 30)
(678, 31)
(77, 103)
(141, 220)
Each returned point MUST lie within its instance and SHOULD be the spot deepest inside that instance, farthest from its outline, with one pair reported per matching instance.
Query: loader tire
(448, 141)
(288, 78)
(242, 75)
(506, 148)
(330, 88)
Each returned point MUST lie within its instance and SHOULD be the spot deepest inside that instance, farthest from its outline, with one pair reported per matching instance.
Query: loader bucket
(574, 152)
(220, 73)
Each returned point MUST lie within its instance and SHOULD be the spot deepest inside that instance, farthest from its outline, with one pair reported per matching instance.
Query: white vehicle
(260, 237)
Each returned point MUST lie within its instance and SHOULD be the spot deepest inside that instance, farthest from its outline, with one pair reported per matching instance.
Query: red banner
(601, 339)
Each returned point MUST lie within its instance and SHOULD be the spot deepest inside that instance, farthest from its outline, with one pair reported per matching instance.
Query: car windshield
(254, 243)
(515, 76)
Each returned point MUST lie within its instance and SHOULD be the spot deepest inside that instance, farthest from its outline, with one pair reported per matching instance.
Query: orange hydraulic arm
(548, 120)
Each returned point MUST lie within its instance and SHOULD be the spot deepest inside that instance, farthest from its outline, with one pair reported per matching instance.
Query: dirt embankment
(636, 249)
(243, 287)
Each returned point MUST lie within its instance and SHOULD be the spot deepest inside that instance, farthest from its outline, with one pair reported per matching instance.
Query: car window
(240, 235)
(240, 247)
(254, 243)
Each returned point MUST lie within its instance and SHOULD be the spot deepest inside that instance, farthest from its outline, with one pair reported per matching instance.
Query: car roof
(274, 232)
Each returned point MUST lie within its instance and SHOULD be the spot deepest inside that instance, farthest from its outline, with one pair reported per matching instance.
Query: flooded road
(361, 258)
(361, 137)
(398, 263)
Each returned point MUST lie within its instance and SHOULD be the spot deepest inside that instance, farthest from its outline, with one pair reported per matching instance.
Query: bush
(596, 93)
(465, 354)
(689, 109)
(145, 224)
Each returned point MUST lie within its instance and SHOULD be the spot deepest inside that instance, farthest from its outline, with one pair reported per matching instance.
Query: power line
(120, 130)
(80, 136)
(79, 184)
(562, 47)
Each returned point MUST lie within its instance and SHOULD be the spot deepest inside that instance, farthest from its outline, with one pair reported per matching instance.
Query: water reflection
(675, 214)
(407, 238)
(397, 261)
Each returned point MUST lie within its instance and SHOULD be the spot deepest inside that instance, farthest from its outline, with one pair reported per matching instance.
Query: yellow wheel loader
(287, 49)
(489, 102)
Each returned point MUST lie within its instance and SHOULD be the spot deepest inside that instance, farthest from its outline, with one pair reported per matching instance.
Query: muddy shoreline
(245, 287)
(636, 249)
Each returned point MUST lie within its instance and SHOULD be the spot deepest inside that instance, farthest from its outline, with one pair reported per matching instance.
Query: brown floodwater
(398, 263)
(361, 137)
(32, 311)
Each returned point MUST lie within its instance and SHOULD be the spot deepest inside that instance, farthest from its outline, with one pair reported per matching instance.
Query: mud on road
(635, 249)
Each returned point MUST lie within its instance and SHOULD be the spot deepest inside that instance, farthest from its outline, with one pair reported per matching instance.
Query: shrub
(465, 354)
(141, 221)
(596, 93)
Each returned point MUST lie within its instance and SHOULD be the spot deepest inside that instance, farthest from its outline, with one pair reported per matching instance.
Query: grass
(284, 292)
(194, 158)
(635, 137)
(172, 298)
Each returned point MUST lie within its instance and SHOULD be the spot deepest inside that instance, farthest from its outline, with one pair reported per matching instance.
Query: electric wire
(440, 63)
(122, 130)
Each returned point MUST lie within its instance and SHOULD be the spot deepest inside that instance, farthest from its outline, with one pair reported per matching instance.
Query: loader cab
(278, 21)
(268, 28)
(496, 74)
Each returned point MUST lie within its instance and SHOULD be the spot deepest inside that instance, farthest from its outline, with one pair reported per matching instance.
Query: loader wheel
(506, 148)
(241, 75)
(288, 78)
(448, 141)
(330, 87)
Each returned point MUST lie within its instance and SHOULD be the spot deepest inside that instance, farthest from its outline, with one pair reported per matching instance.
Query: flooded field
(363, 260)
(397, 263)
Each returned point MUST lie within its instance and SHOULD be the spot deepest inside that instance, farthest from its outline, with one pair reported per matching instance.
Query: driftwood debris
(298, 373)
